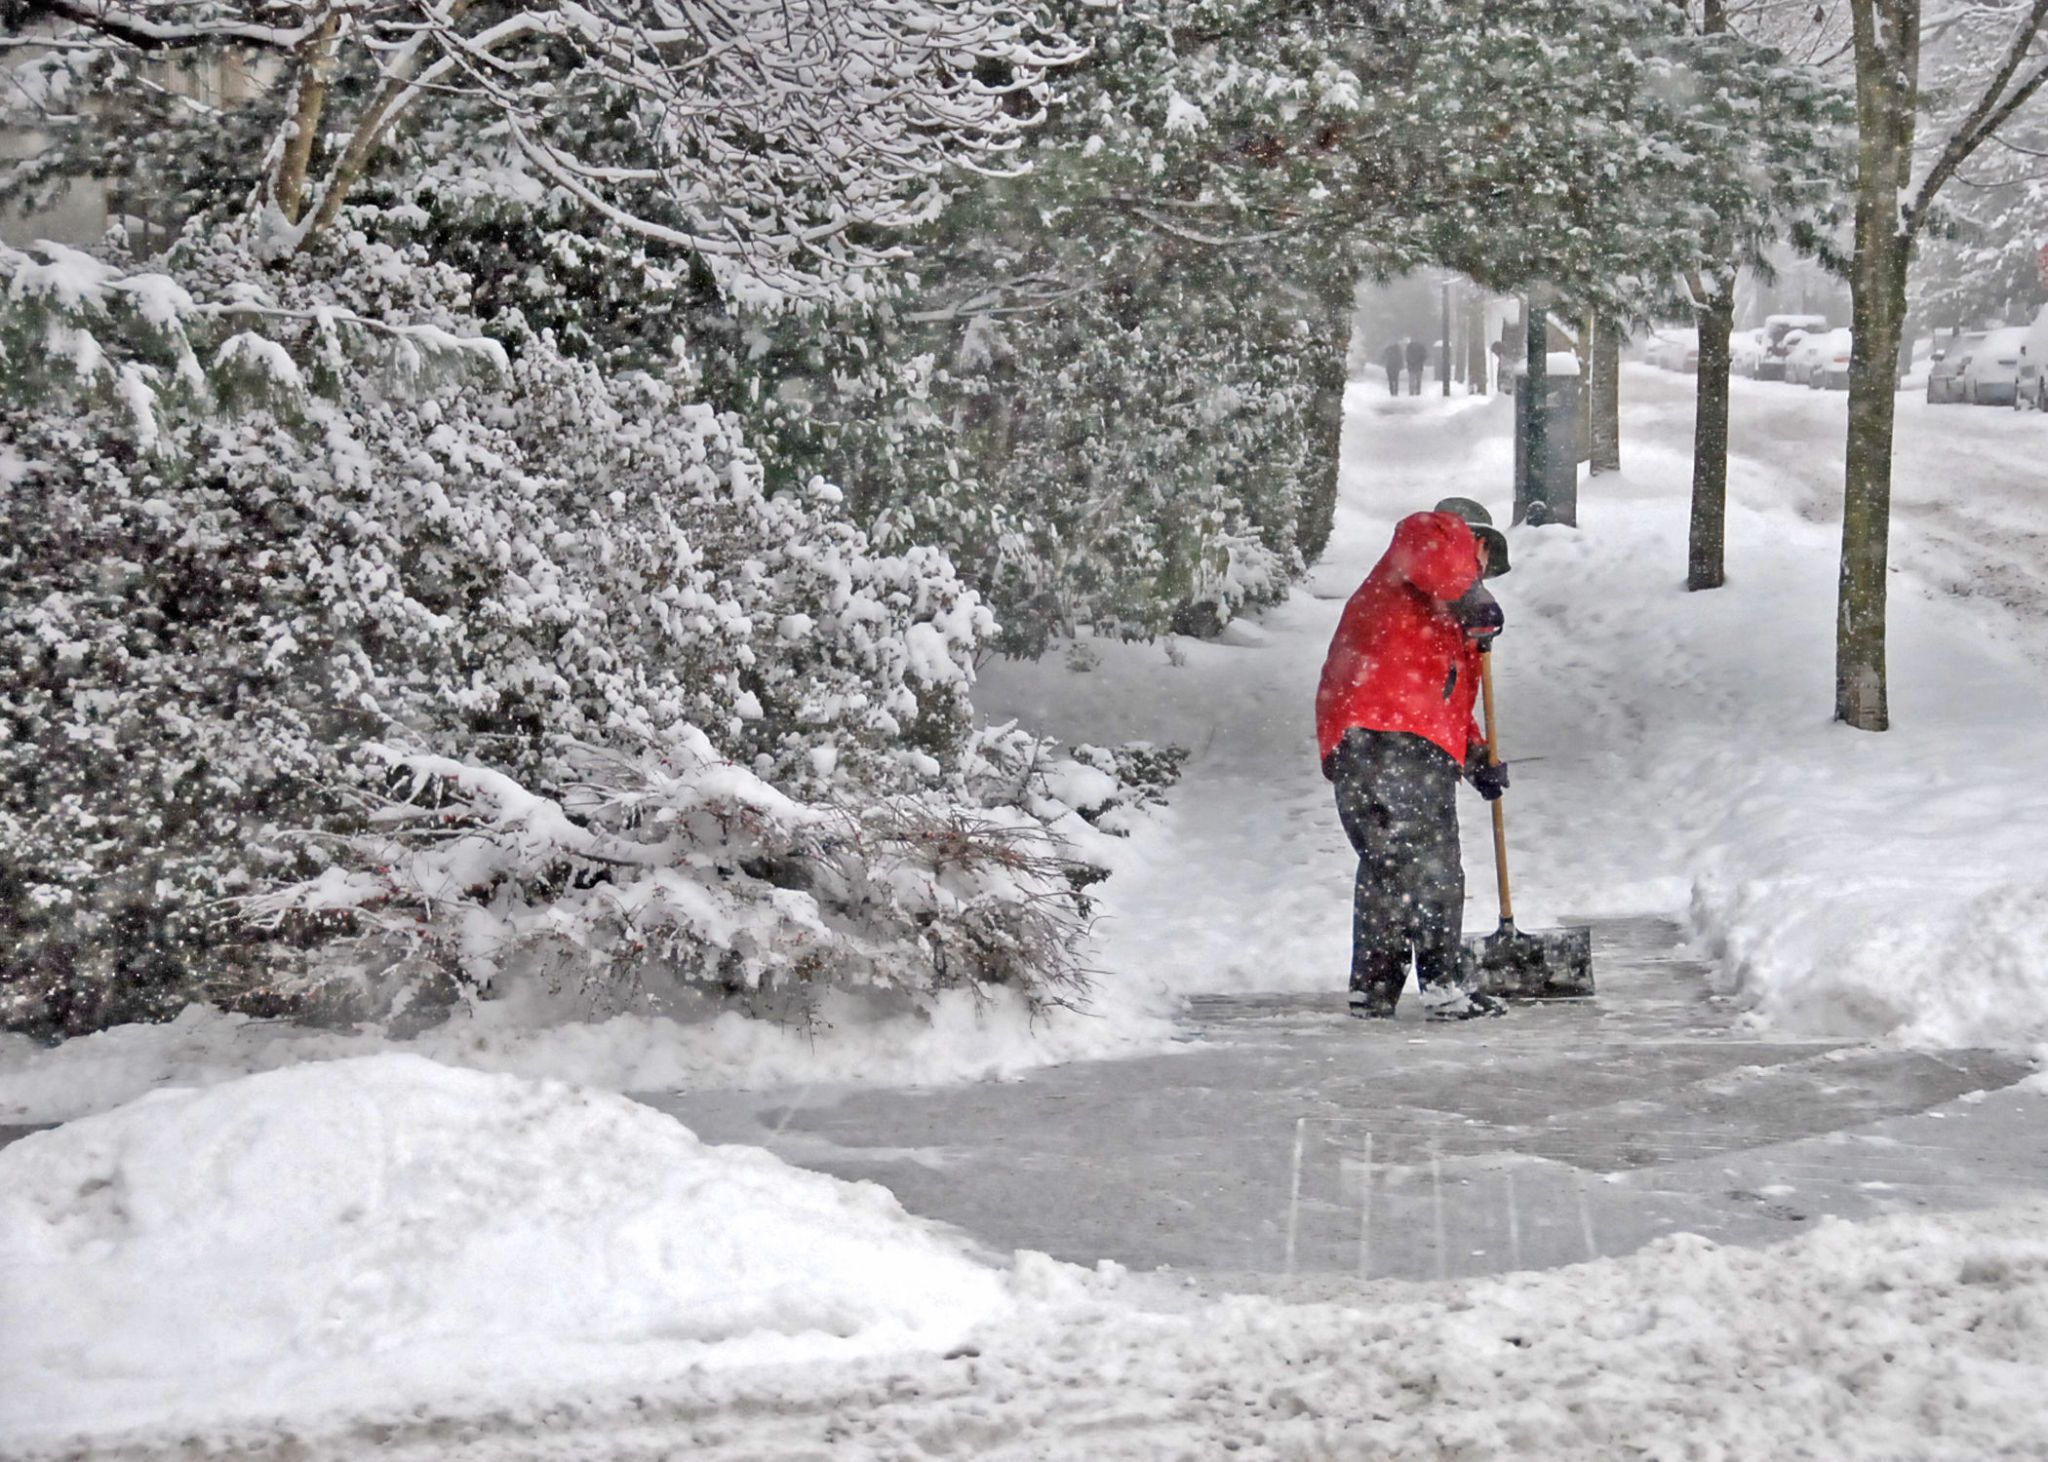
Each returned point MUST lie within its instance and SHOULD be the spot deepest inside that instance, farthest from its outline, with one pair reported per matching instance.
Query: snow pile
(1911, 1337)
(370, 1234)
(961, 1036)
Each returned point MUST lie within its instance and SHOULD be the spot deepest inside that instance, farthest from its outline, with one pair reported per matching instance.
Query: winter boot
(1374, 1003)
(1451, 1002)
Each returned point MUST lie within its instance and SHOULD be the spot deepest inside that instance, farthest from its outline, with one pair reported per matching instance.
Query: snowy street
(1794, 1057)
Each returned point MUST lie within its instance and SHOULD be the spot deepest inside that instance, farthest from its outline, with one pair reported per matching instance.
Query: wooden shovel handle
(1500, 812)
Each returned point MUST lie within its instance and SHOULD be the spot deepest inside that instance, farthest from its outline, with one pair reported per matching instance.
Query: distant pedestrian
(1418, 357)
(1390, 361)
(1395, 731)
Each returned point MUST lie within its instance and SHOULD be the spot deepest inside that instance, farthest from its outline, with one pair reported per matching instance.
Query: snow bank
(1911, 1337)
(961, 1039)
(365, 1235)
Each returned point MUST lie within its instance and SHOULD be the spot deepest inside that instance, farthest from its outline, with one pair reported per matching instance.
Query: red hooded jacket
(1400, 661)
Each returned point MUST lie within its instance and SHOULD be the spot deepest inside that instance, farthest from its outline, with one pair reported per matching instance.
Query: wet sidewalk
(1287, 1138)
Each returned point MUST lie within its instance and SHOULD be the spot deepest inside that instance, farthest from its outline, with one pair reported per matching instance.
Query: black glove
(1488, 779)
(1480, 614)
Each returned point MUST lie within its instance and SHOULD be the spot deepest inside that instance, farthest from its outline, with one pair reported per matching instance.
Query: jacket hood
(1435, 552)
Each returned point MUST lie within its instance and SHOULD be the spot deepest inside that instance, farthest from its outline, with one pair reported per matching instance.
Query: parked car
(2033, 385)
(1673, 349)
(1831, 370)
(1770, 365)
(1991, 376)
(1745, 349)
(1944, 373)
(1802, 354)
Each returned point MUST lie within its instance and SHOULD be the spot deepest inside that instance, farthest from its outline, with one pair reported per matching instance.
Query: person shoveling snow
(1395, 731)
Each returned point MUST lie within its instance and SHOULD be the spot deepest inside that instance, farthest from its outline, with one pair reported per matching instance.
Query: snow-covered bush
(663, 872)
(252, 530)
(1100, 787)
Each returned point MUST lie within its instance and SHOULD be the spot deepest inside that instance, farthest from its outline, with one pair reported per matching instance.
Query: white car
(2032, 389)
(1945, 366)
(1830, 370)
(1779, 331)
(1991, 376)
(1802, 354)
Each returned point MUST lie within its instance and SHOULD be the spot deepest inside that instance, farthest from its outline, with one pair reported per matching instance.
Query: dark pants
(1397, 795)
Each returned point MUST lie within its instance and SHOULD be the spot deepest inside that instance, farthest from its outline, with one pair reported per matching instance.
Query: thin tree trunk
(348, 169)
(1443, 359)
(1476, 353)
(1605, 387)
(1714, 317)
(316, 66)
(1887, 36)
(1705, 566)
(1531, 389)
(1583, 428)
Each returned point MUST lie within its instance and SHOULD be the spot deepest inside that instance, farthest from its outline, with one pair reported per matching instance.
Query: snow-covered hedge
(254, 533)
(681, 871)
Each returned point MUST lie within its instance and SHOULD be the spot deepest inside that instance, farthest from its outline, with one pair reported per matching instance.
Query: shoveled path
(1286, 1138)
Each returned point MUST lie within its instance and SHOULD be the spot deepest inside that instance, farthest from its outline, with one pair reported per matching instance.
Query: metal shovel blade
(1512, 965)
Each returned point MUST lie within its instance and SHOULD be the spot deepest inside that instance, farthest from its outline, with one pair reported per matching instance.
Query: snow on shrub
(660, 873)
(334, 534)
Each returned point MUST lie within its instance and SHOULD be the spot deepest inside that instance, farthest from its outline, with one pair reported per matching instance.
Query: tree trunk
(1706, 545)
(1476, 353)
(369, 132)
(1584, 427)
(1318, 509)
(1443, 359)
(1605, 389)
(1531, 389)
(1887, 36)
(315, 66)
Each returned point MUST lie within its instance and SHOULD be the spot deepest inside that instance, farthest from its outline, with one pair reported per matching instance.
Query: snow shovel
(1508, 963)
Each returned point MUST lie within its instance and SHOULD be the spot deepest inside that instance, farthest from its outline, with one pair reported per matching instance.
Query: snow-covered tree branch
(782, 140)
